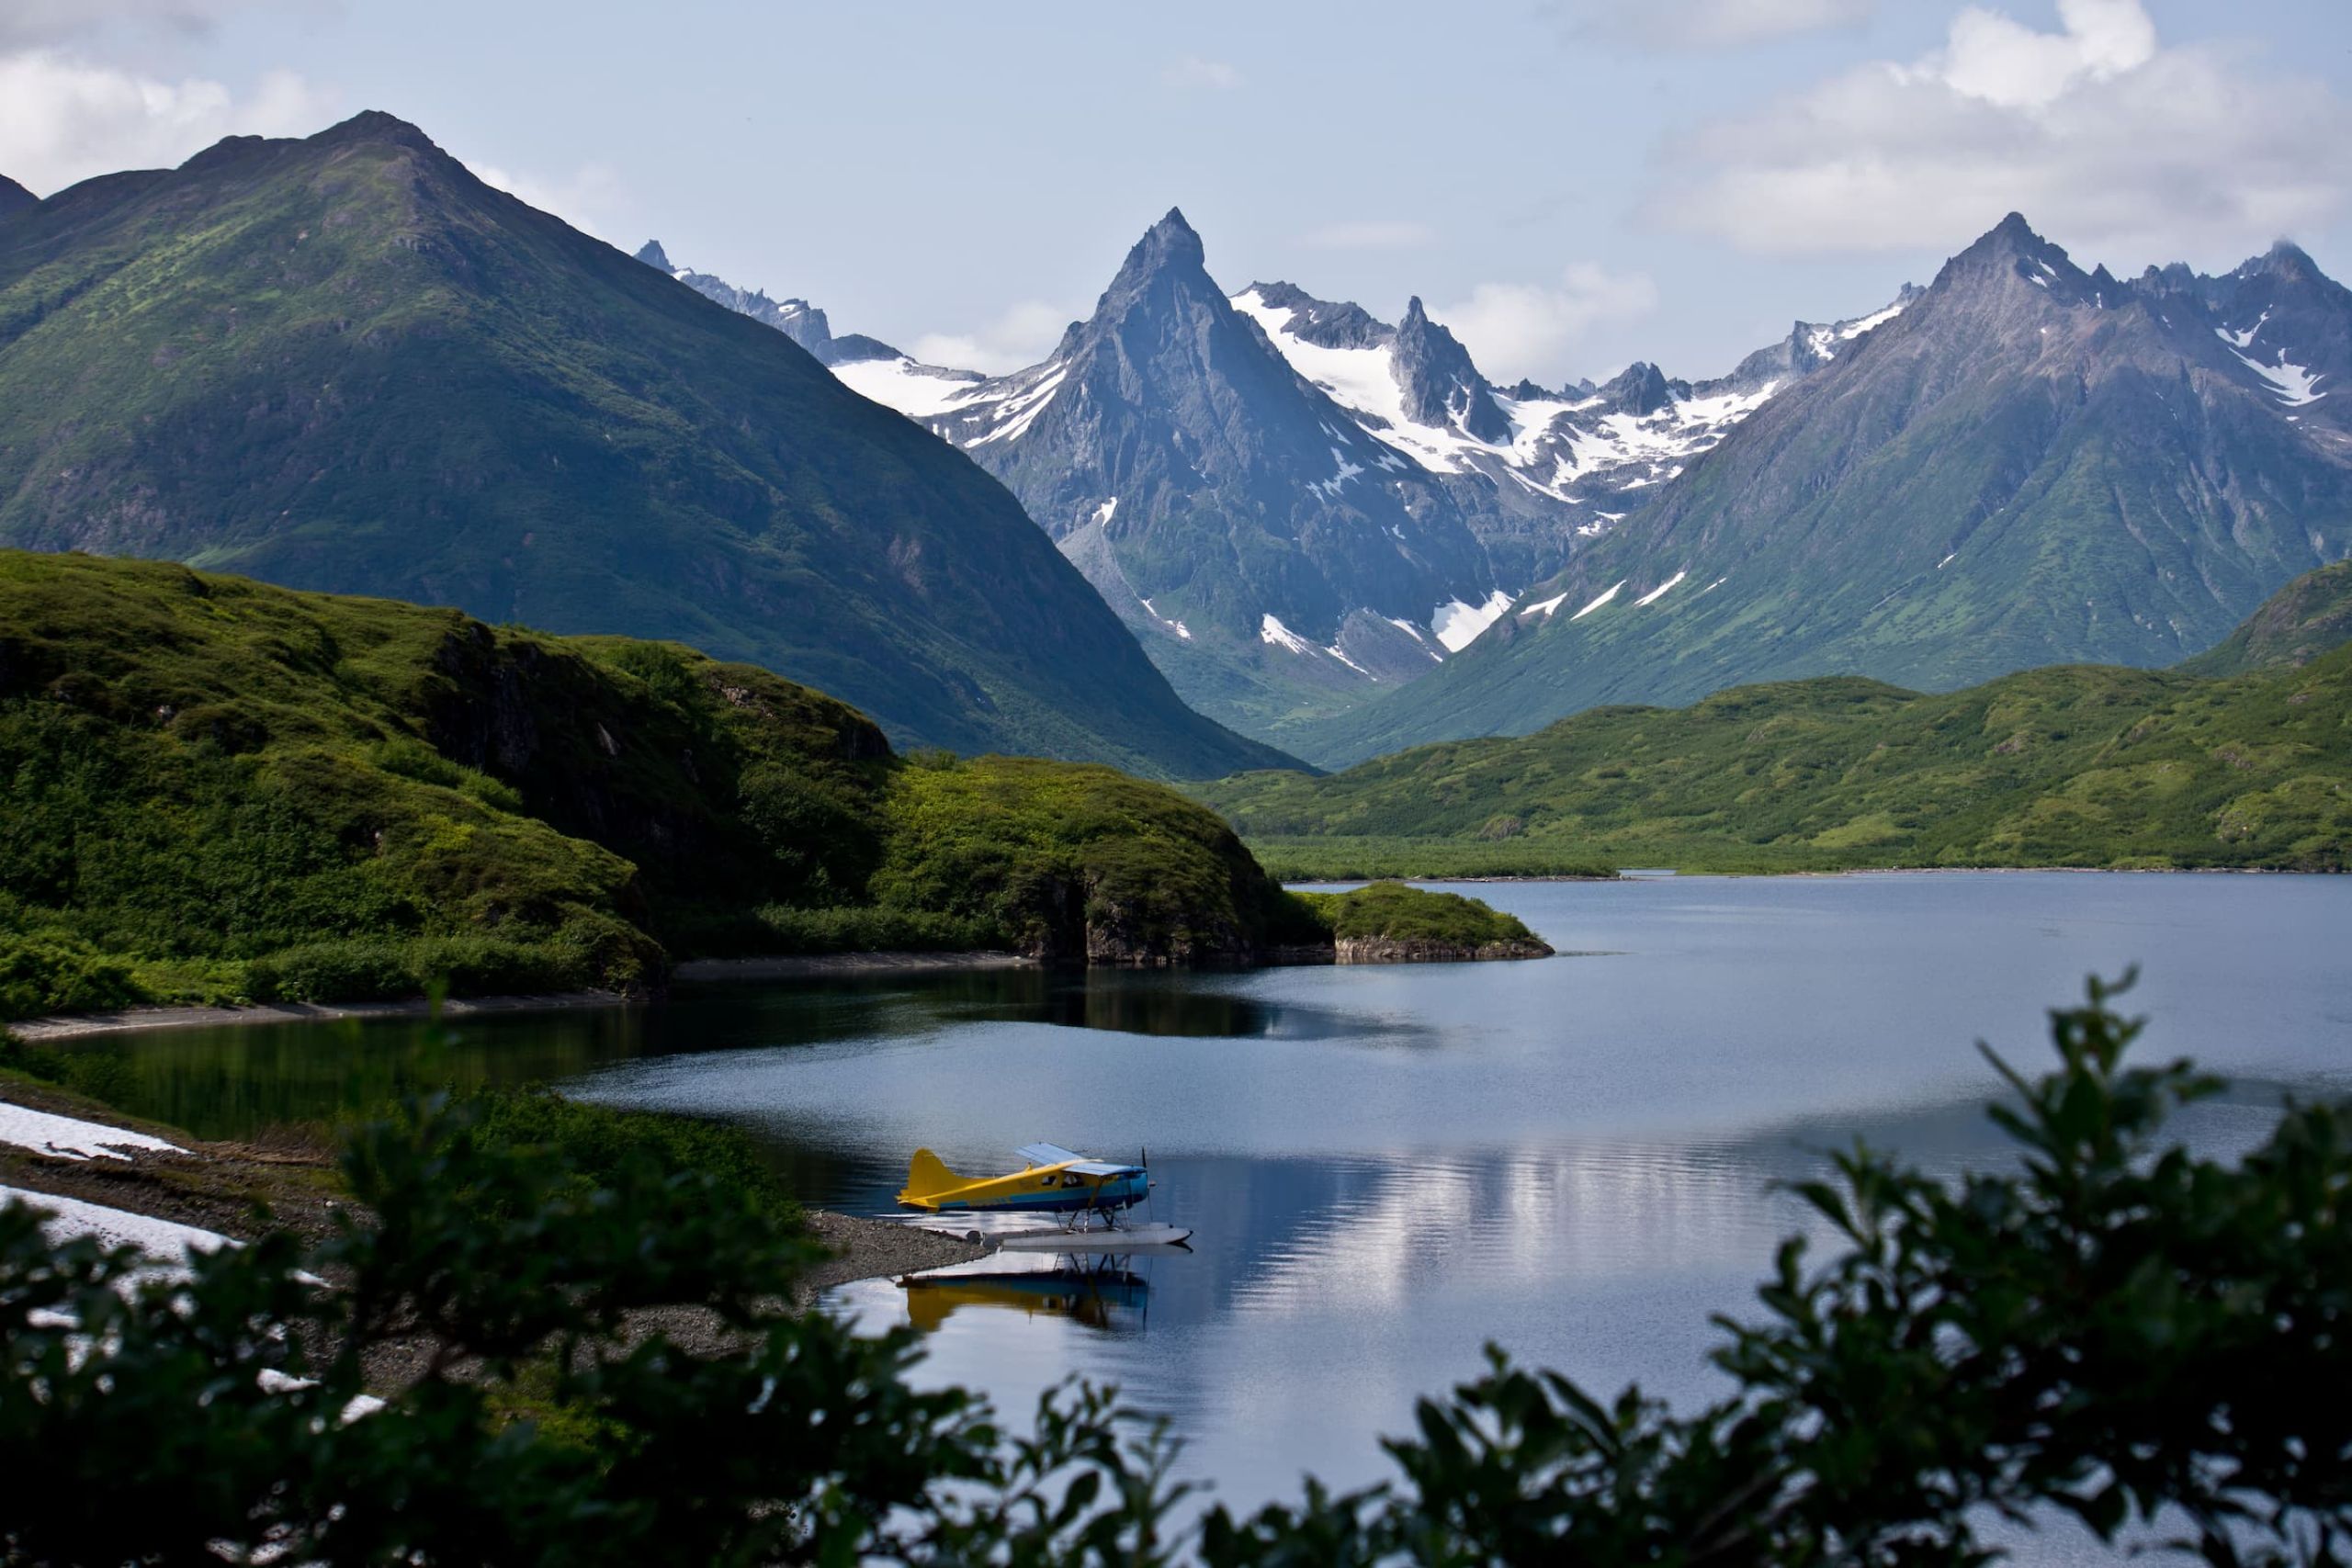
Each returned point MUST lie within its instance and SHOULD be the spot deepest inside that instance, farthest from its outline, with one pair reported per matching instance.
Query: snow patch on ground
(1457, 625)
(68, 1137)
(1543, 607)
(1102, 512)
(1018, 412)
(163, 1240)
(1655, 594)
(1610, 594)
(272, 1380)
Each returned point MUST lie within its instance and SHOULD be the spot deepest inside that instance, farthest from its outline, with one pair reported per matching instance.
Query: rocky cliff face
(1271, 553)
(1390, 950)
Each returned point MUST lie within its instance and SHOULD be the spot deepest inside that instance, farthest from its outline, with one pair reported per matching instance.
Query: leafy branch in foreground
(2115, 1328)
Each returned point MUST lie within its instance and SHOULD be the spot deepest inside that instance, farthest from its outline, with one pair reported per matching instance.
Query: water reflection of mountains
(235, 1079)
(1101, 1292)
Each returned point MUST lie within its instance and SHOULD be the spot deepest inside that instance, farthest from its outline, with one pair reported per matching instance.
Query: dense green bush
(229, 790)
(1393, 911)
(2111, 1328)
(54, 972)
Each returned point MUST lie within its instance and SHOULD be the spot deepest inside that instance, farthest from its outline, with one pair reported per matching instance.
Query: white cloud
(1521, 329)
(591, 198)
(1370, 234)
(24, 22)
(1020, 336)
(1193, 71)
(2097, 132)
(62, 120)
(1710, 24)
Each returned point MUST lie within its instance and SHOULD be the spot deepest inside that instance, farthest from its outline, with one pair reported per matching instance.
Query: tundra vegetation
(2240, 758)
(223, 791)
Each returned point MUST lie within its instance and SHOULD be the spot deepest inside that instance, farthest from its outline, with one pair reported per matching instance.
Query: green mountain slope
(2070, 765)
(221, 789)
(2029, 465)
(2297, 624)
(345, 364)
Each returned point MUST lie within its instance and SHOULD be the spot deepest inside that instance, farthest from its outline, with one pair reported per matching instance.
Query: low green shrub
(1392, 911)
(45, 972)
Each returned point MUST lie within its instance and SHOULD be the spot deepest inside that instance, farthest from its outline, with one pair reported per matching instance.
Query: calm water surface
(1389, 1167)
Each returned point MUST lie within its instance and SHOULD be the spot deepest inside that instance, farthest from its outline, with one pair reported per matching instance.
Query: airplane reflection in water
(1099, 1291)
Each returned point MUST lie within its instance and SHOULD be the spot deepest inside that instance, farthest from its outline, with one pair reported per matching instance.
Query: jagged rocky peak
(797, 318)
(2012, 250)
(1169, 245)
(1641, 390)
(1440, 382)
(1325, 323)
(2284, 260)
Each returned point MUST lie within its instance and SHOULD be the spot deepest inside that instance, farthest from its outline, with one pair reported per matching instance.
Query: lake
(1388, 1167)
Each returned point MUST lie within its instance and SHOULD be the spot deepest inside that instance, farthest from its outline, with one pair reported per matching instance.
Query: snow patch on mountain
(2293, 384)
(1576, 447)
(913, 389)
(1272, 632)
(1606, 594)
(1457, 625)
(1655, 594)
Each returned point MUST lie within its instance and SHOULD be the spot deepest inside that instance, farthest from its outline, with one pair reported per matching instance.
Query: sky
(1568, 184)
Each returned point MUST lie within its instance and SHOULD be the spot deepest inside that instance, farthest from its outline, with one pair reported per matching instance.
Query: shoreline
(209, 1186)
(1665, 874)
(698, 971)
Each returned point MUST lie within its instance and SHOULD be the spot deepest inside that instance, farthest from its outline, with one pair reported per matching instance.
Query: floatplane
(1088, 1196)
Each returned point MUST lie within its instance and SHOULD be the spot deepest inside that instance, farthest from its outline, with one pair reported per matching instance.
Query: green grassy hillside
(2297, 624)
(345, 364)
(2073, 765)
(220, 790)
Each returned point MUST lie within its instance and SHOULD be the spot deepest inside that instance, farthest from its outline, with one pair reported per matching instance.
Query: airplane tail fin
(927, 1177)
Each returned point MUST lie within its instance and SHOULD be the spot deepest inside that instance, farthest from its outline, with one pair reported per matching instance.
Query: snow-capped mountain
(2031, 464)
(1295, 505)
(1573, 462)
